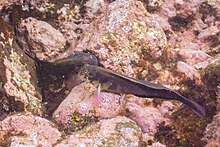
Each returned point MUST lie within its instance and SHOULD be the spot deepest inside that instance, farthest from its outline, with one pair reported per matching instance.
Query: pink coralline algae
(187, 8)
(192, 54)
(149, 118)
(29, 129)
(208, 32)
(121, 34)
(118, 131)
(43, 42)
(83, 99)
(212, 133)
(189, 71)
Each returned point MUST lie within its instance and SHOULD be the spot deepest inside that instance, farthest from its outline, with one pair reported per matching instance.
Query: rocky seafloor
(175, 43)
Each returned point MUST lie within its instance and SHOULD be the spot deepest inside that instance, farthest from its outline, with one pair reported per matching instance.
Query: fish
(86, 67)
(120, 84)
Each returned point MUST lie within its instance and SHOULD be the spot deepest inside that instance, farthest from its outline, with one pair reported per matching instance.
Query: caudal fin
(198, 109)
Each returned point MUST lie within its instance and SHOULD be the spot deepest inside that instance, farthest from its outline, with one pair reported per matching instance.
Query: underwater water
(109, 73)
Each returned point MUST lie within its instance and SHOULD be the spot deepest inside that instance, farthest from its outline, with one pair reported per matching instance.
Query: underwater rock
(193, 55)
(94, 6)
(214, 143)
(7, 3)
(84, 100)
(212, 132)
(211, 74)
(157, 144)
(121, 35)
(186, 8)
(39, 39)
(199, 25)
(153, 5)
(208, 32)
(119, 131)
(148, 118)
(211, 77)
(218, 98)
(25, 129)
(168, 9)
(19, 89)
(188, 70)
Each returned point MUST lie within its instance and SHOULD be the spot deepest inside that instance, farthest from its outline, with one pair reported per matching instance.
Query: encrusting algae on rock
(18, 75)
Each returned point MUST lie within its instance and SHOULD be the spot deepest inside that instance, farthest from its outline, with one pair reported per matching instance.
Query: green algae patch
(78, 122)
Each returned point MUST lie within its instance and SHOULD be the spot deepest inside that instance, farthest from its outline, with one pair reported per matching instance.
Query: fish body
(86, 67)
(118, 83)
(71, 64)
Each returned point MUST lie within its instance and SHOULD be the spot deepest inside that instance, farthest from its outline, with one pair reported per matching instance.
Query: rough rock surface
(212, 133)
(84, 100)
(7, 3)
(40, 40)
(119, 131)
(211, 76)
(150, 117)
(120, 46)
(19, 88)
(24, 130)
(186, 8)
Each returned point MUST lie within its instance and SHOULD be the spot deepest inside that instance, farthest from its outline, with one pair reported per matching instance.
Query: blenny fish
(86, 67)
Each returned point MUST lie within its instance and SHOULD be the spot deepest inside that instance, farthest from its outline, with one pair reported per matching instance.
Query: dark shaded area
(206, 10)
(53, 89)
(165, 132)
(178, 22)
(186, 129)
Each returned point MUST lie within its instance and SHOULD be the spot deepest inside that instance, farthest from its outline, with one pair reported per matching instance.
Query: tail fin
(198, 109)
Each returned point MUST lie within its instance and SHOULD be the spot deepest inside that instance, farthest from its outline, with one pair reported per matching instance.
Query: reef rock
(211, 74)
(188, 71)
(119, 131)
(7, 3)
(19, 89)
(85, 100)
(212, 132)
(149, 117)
(211, 77)
(24, 130)
(192, 54)
(39, 39)
(122, 35)
(186, 8)
(208, 32)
